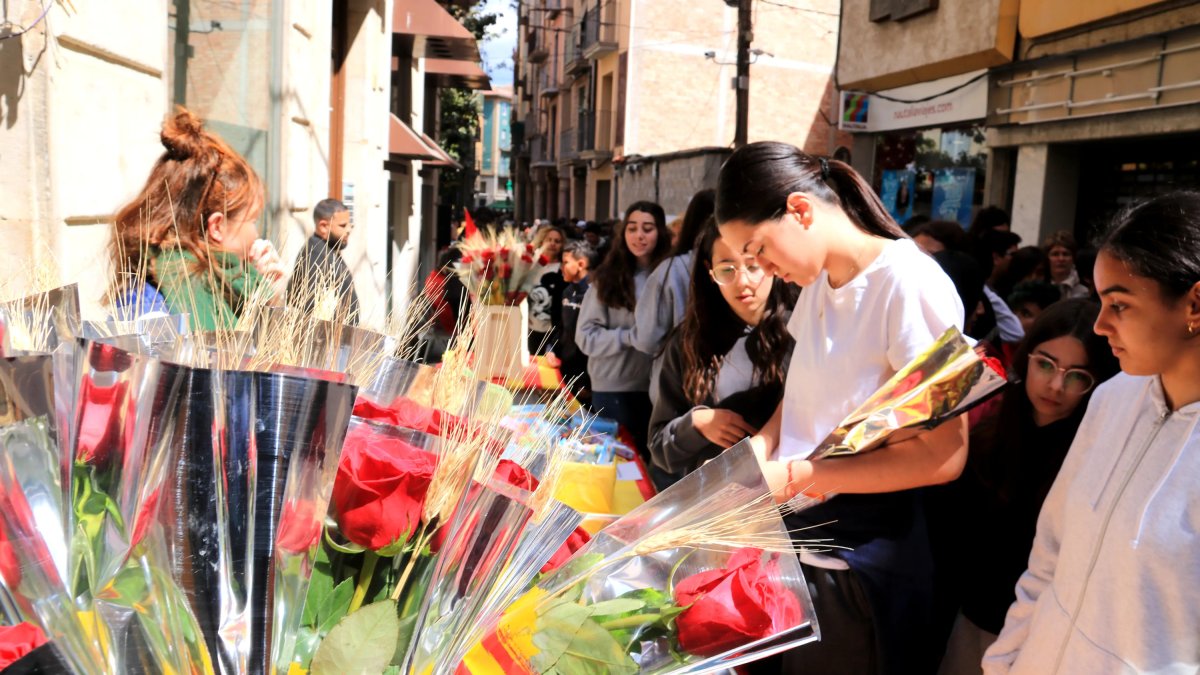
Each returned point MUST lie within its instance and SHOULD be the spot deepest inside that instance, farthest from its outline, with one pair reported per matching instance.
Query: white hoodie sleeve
(1043, 558)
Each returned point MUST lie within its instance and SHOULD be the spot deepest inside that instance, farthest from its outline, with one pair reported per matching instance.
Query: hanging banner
(869, 112)
(953, 193)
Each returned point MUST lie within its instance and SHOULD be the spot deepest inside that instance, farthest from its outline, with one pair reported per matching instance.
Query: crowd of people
(1052, 530)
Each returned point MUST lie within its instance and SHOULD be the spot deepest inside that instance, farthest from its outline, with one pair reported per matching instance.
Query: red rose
(145, 517)
(380, 488)
(514, 474)
(994, 363)
(17, 641)
(10, 568)
(402, 412)
(573, 543)
(488, 254)
(503, 251)
(505, 271)
(466, 260)
(299, 528)
(734, 606)
(529, 248)
(543, 259)
(100, 418)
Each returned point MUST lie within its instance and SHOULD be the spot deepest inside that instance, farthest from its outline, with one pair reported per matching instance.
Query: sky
(497, 49)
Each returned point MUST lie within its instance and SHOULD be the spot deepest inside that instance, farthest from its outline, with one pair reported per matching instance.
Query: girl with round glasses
(1113, 579)
(984, 522)
(724, 367)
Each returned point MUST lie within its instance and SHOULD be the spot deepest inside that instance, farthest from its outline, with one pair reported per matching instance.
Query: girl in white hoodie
(1113, 584)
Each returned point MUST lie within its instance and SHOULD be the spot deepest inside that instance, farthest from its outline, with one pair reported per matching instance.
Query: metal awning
(444, 159)
(404, 142)
(457, 73)
(436, 34)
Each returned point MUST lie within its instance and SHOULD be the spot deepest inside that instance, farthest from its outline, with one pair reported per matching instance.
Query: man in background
(321, 285)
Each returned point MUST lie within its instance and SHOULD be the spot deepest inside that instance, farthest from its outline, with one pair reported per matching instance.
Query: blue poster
(896, 191)
(953, 195)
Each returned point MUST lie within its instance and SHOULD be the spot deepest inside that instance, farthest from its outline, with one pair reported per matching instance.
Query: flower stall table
(542, 378)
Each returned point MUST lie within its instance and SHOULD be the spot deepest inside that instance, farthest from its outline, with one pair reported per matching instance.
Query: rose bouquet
(703, 576)
(946, 381)
(494, 266)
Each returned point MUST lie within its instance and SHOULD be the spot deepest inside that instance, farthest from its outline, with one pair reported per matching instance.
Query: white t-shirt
(850, 340)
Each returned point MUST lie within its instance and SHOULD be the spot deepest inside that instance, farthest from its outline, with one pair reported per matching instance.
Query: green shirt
(213, 299)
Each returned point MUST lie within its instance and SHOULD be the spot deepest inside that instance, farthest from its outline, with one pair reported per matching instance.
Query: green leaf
(319, 590)
(362, 642)
(307, 642)
(616, 607)
(336, 604)
(588, 650)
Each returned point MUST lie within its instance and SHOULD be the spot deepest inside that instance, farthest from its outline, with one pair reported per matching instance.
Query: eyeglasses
(1075, 380)
(728, 273)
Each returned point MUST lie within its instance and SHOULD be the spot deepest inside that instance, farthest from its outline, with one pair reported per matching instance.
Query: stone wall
(676, 180)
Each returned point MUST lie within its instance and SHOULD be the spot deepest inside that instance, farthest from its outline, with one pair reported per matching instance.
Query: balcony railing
(574, 60)
(595, 132)
(600, 30)
(568, 146)
(539, 154)
(535, 45)
(547, 82)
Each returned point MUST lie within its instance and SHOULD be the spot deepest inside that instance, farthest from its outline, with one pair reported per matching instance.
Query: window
(221, 67)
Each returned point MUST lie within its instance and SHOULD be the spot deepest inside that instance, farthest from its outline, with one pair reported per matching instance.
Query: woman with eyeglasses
(723, 368)
(1113, 579)
(985, 521)
(872, 301)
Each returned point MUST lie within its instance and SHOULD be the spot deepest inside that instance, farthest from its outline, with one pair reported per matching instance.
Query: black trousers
(849, 641)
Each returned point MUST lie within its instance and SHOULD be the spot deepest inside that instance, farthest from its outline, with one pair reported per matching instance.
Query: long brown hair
(197, 176)
(614, 278)
(756, 180)
(710, 327)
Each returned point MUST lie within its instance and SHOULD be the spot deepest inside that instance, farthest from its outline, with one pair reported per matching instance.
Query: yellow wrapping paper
(588, 488)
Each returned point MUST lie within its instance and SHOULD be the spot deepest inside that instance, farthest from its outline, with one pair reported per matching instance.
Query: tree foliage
(460, 111)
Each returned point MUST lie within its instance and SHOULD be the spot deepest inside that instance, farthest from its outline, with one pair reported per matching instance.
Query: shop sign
(869, 112)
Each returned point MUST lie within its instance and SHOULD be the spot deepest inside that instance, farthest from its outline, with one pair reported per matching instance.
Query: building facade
(325, 98)
(1060, 112)
(494, 156)
(621, 100)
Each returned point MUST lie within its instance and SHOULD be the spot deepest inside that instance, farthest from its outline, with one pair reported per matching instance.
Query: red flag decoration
(468, 223)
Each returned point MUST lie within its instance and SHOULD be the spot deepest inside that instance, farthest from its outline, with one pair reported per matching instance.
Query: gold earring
(1191, 328)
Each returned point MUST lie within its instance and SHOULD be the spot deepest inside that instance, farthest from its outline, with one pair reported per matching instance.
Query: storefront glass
(221, 66)
(937, 173)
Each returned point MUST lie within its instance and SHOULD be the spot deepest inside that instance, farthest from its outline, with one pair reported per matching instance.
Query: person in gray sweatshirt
(620, 374)
(1113, 582)
(661, 305)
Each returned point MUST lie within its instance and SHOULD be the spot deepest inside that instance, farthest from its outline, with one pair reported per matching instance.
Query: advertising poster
(953, 191)
(896, 190)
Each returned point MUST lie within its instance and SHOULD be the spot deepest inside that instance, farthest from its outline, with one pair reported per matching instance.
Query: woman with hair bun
(191, 236)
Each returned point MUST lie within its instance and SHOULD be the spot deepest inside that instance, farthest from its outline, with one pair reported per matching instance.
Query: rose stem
(364, 580)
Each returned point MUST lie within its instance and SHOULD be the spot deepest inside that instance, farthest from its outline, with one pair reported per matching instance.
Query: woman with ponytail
(723, 368)
(872, 301)
(191, 235)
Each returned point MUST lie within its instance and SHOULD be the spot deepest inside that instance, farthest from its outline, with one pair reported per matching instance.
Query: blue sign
(897, 191)
(953, 195)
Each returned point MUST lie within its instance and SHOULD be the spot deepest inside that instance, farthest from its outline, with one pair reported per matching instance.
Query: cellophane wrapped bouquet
(495, 265)
(295, 496)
